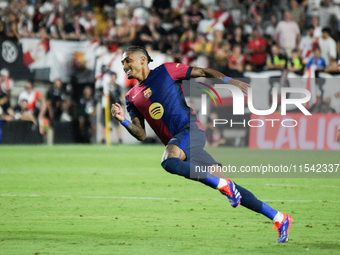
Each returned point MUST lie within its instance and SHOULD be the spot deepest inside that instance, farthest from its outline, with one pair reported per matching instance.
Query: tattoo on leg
(172, 151)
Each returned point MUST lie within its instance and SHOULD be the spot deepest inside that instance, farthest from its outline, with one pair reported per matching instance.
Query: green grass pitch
(118, 200)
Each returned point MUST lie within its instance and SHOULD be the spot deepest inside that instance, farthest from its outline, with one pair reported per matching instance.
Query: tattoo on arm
(136, 129)
(206, 72)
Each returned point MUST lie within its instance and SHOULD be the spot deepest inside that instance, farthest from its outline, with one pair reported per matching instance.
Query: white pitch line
(165, 198)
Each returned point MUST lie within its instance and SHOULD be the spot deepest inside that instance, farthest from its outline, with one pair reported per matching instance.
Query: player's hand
(117, 112)
(240, 84)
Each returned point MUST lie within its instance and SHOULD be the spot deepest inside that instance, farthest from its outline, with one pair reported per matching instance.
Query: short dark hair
(139, 49)
(326, 30)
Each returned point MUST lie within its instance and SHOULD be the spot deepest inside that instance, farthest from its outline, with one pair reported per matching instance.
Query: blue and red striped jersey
(160, 100)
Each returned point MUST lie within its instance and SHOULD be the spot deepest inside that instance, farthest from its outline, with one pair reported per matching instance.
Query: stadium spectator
(333, 68)
(21, 112)
(238, 38)
(83, 7)
(109, 31)
(294, 63)
(187, 46)
(116, 95)
(68, 109)
(25, 25)
(327, 46)
(270, 28)
(90, 24)
(201, 45)
(237, 60)
(36, 102)
(38, 17)
(50, 10)
(257, 49)
(317, 27)
(297, 13)
(221, 57)
(6, 86)
(313, 7)
(326, 11)
(308, 44)
(195, 16)
(217, 43)
(178, 27)
(55, 97)
(287, 34)
(222, 15)
(258, 25)
(180, 7)
(75, 30)
(125, 32)
(317, 60)
(42, 34)
(87, 115)
(162, 9)
(276, 60)
(152, 33)
(69, 10)
(57, 30)
(11, 28)
(207, 26)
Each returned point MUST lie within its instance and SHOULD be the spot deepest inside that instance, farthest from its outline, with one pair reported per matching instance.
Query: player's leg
(177, 160)
(173, 162)
(247, 199)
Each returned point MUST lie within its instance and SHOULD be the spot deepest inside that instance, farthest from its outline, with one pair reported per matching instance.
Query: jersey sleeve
(178, 71)
(133, 111)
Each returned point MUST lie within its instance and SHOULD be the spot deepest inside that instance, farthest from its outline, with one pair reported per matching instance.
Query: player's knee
(172, 165)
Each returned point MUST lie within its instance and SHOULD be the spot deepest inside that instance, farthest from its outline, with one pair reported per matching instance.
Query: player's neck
(143, 74)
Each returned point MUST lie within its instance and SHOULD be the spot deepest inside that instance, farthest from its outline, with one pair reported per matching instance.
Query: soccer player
(158, 98)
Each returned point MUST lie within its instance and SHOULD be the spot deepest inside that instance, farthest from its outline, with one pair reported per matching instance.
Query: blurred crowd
(231, 36)
(234, 35)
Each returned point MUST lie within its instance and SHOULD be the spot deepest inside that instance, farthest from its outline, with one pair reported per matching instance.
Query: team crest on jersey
(147, 93)
(156, 111)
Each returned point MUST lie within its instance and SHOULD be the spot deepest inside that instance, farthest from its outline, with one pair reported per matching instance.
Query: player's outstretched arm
(136, 127)
(211, 73)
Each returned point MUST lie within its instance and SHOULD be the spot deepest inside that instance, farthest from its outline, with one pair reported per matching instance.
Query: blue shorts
(192, 140)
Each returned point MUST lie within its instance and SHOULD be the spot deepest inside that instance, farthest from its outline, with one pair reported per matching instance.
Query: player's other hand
(117, 112)
(240, 84)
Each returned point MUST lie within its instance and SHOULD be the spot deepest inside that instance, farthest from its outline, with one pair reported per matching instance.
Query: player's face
(131, 64)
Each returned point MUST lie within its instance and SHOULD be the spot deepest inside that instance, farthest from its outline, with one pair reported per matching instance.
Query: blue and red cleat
(231, 193)
(283, 228)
